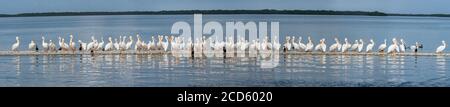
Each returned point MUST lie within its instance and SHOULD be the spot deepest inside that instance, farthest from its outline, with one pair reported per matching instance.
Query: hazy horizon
(387, 6)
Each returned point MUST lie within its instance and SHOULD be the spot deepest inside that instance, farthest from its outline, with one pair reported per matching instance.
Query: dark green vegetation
(181, 12)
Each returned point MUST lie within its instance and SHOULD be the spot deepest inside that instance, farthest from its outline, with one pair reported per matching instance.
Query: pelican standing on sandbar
(393, 47)
(382, 47)
(441, 48)
(370, 46)
(15, 46)
(32, 46)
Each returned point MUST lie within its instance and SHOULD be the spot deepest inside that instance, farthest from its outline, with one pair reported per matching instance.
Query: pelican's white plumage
(116, 44)
(138, 44)
(109, 45)
(15, 46)
(83, 45)
(166, 43)
(230, 45)
(370, 46)
(90, 45)
(441, 48)
(346, 45)
(100, 45)
(32, 46)
(321, 46)
(361, 45)
(336, 46)
(300, 44)
(354, 46)
(383, 46)
(72, 44)
(287, 44)
(295, 46)
(402, 46)
(51, 46)
(129, 43)
(122, 43)
(324, 45)
(309, 45)
(151, 44)
(44, 44)
(415, 47)
(393, 47)
(276, 46)
(66, 46)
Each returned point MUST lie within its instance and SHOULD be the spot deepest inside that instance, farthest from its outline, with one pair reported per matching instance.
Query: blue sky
(391, 6)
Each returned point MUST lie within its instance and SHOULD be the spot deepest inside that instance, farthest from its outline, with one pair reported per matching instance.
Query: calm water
(165, 70)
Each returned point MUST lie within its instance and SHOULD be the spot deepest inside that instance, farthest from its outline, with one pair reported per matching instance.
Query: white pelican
(51, 46)
(218, 46)
(354, 46)
(336, 46)
(287, 44)
(128, 45)
(318, 46)
(174, 43)
(324, 45)
(15, 46)
(244, 45)
(166, 43)
(32, 46)
(122, 43)
(83, 45)
(441, 48)
(90, 45)
(116, 44)
(300, 44)
(62, 46)
(252, 46)
(44, 44)
(189, 46)
(151, 44)
(309, 45)
(276, 46)
(197, 45)
(60, 43)
(321, 46)
(370, 46)
(393, 47)
(160, 43)
(382, 47)
(109, 45)
(346, 45)
(72, 44)
(402, 46)
(267, 42)
(295, 45)
(66, 46)
(171, 42)
(230, 44)
(361, 45)
(100, 45)
(415, 47)
(138, 45)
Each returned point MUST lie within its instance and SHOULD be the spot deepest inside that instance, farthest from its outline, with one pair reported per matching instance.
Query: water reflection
(441, 65)
(266, 69)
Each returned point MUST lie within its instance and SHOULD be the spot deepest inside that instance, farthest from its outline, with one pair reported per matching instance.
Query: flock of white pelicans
(177, 43)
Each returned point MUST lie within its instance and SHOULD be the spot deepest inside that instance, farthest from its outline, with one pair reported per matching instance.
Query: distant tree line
(264, 11)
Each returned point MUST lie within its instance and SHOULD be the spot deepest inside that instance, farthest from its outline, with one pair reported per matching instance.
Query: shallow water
(166, 70)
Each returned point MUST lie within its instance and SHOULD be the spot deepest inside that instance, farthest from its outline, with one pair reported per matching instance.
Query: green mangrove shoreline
(187, 12)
